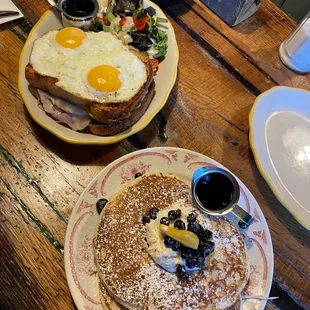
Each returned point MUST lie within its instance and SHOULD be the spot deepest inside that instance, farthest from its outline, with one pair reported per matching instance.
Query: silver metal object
(258, 297)
(8, 13)
(233, 12)
(295, 50)
(53, 4)
(76, 21)
(245, 218)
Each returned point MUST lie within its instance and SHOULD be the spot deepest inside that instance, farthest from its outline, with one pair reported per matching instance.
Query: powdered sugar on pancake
(136, 281)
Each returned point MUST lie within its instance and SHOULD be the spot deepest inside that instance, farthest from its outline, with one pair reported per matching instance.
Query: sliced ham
(64, 112)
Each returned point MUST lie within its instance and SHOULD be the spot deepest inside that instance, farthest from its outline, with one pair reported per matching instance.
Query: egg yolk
(104, 78)
(70, 37)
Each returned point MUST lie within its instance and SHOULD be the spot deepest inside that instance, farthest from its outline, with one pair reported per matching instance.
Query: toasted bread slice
(115, 127)
(102, 112)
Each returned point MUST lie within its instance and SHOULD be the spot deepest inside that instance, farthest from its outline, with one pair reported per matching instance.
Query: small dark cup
(78, 13)
(232, 206)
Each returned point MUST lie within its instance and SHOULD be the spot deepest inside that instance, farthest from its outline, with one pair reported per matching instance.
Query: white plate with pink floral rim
(79, 260)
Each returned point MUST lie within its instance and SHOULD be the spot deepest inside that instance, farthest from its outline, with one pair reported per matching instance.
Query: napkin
(8, 5)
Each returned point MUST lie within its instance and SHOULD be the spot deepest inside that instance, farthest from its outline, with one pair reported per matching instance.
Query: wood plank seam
(19, 168)
(286, 299)
(242, 52)
(19, 35)
(289, 262)
(43, 229)
(226, 120)
(215, 54)
(20, 272)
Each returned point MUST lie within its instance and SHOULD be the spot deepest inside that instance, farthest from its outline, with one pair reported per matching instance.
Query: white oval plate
(280, 141)
(79, 260)
(164, 79)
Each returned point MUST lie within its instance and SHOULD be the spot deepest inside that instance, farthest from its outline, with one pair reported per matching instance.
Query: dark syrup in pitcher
(78, 8)
(215, 191)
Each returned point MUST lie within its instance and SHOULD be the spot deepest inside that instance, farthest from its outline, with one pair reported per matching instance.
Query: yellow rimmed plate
(280, 141)
(164, 79)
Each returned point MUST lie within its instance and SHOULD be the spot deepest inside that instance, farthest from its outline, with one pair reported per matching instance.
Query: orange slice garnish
(185, 237)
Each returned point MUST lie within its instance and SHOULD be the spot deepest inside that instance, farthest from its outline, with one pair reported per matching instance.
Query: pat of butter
(163, 256)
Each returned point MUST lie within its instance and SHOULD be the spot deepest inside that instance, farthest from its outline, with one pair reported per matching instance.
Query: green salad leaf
(117, 28)
(110, 16)
(96, 26)
(153, 32)
(139, 13)
(159, 36)
(132, 30)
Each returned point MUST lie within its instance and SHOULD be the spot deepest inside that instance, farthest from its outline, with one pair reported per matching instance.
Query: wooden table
(221, 71)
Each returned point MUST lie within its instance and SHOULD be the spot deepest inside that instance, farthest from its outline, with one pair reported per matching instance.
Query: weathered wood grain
(32, 271)
(226, 51)
(32, 11)
(220, 73)
(49, 217)
(259, 39)
(293, 281)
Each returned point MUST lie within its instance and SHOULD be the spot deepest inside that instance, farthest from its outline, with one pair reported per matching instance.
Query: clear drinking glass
(295, 50)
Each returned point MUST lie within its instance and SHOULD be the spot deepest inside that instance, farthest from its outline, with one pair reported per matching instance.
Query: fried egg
(70, 37)
(104, 79)
(95, 66)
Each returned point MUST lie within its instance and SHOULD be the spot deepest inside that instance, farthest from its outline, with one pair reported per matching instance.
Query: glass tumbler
(295, 50)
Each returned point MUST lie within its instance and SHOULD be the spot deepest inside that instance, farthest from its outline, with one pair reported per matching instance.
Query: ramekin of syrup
(216, 191)
(78, 13)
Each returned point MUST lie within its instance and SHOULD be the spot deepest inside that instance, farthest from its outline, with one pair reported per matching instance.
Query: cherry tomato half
(105, 20)
(122, 22)
(154, 63)
(141, 23)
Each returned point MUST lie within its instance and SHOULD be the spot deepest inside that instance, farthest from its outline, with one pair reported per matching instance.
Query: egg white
(71, 66)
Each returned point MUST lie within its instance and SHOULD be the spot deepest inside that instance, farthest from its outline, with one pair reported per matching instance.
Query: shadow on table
(177, 8)
(166, 111)
(157, 128)
(75, 154)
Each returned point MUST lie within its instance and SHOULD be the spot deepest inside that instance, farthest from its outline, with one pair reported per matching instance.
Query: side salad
(138, 27)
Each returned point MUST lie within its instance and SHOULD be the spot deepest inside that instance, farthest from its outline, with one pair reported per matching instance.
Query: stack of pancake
(130, 279)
